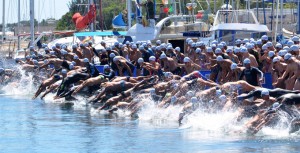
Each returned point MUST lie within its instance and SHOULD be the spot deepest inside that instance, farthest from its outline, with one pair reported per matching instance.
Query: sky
(43, 9)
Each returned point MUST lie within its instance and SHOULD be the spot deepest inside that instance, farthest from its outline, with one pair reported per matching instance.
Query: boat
(230, 25)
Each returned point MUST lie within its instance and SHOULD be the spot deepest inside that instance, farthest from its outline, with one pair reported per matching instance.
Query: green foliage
(111, 8)
(65, 23)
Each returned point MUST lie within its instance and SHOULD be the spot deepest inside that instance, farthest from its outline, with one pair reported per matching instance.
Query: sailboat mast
(19, 18)
(101, 15)
(129, 14)
(92, 24)
(3, 21)
(32, 22)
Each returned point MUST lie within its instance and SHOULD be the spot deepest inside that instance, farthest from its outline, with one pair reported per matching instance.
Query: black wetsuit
(145, 55)
(65, 65)
(251, 75)
(92, 70)
(272, 92)
(104, 56)
(64, 86)
(290, 99)
(109, 75)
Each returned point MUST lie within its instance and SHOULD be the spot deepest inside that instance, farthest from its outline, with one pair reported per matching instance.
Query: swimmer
(45, 84)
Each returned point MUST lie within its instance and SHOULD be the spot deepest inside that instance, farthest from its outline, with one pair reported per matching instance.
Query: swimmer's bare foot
(113, 109)
(56, 97)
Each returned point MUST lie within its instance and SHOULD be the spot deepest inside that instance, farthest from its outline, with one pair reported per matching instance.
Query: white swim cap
(213, 46)
(27, 57)
(162, 56)
(46, 48)
(71, 66)
(127, 42)
(188, 39)
(168, 74)
(237, 50)
(190, 93)
(173, 99)
(140, 60)
(186, 60)
(85, 60)
(247, 61)
(271, 54)
(295, 38)
(193, 44)
(141, 48)
(177, 49)
(269, 44)
(229, 51)
(35, 62)
(264, 47)
(108, 48)
(106, 67)
(243, 50)
(112, 55)
(278, 45)
(198, 50)
(46, 61)
(246, 40)
(52, 52)
(209, 50)
(290, 43)
(258, 42)
(275, 59)
(116, 58)
(190, 42)
(265, 92)
(157, 48)
(116, 44)
(264, 37)
(158, 42)
(74, 63)
(282, 52)
(220, 46)
(223, 98)
(287, 48)
(63, 71)
(75, 57)
(152, 91)
(152, 58)
(275, 105)
(233, 66)
(63, 52)
(214, 42)
(218, 51)
(194, 100)
(220, 58)
(294, 48)
(287, 56)
(238, 41)
(218, 92)
(169, 47)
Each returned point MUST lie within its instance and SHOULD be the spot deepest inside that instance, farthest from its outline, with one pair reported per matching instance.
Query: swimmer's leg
(50, 89)
(38, 92)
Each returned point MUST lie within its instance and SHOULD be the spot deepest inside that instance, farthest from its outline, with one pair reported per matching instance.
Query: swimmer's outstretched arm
(253, 93)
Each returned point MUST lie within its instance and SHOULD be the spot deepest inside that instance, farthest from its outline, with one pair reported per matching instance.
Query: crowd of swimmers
(170, 76)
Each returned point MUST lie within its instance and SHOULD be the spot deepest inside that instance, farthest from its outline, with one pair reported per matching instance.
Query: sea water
(55, 126)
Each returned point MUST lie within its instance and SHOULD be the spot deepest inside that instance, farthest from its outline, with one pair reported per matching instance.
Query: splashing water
(21, 87)
(203, 123)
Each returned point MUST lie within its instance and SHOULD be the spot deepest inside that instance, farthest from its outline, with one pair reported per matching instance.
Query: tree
(110, 9)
